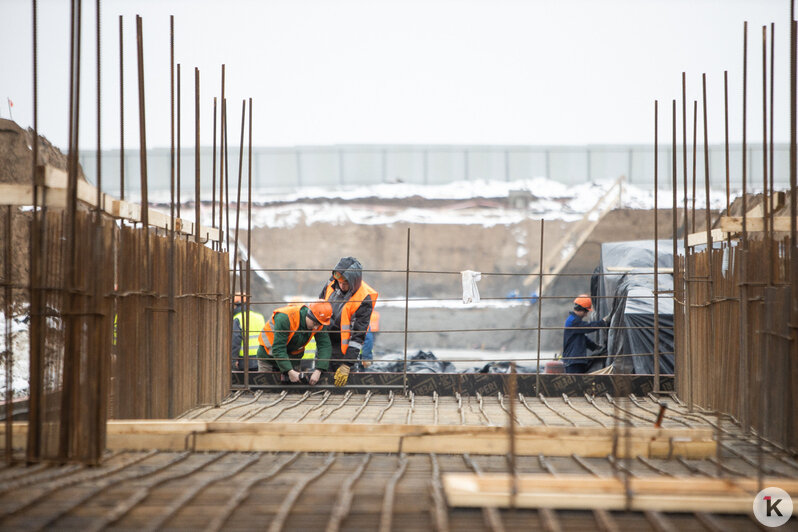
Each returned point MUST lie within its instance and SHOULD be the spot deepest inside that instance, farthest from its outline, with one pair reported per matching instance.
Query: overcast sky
(327, 72)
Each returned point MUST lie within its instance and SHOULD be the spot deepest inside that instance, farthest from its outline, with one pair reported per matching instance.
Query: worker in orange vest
(352, 301)
(284, 337)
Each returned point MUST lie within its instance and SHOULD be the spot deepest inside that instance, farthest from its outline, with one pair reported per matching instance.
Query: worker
(366, 354)
(352, 301)
(284, 337)
(256, 323)
(574, 339)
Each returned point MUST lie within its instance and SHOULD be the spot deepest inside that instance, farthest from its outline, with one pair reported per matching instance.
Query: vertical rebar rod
(656, 246)
(179, 135)
(407, 307)
(726, 137)
(226, 178)
(540, 304)
(772, 106)
(213, 172)
(674, 216)
(249, 242)
(145, 205)
(706, 172)
(172, 313)
(240, 171)
(99, 113)
(765, 196)
(197, 236)
(97, 379)
(71, 362)
(687, 347)
(36, 258)
(742, 382)
(9, 358)
(513, 389)
(121, 112)
(222, 131)
(695, 142)
(708, 220)
(791, 426)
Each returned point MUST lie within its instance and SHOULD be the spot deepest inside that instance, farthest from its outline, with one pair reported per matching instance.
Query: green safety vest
(256, 324)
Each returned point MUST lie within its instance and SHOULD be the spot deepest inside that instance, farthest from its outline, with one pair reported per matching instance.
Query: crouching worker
(284, 337)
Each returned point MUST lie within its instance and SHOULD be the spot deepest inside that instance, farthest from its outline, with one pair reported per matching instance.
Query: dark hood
(352, 271)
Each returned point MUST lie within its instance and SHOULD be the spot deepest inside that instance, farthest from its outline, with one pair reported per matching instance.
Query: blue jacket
(574, 338)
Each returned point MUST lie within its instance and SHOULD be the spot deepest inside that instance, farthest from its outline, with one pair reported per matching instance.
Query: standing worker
(574, 338)
(256, 323)
(367, 354)
(352, 301)
(285, 335)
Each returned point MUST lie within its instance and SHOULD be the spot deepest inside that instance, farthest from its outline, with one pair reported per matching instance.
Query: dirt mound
(16, 152)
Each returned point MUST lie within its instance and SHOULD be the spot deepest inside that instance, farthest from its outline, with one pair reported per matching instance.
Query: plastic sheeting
(626, 291)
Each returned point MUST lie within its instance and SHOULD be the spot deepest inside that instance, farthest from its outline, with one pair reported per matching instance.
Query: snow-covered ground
(19, 349)
(552, 200)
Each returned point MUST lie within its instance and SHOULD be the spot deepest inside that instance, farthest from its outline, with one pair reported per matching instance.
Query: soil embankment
(506, 254)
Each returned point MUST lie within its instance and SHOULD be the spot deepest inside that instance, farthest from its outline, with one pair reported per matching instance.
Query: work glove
(314, 377)
(352, 353)
(294, 376)
(341, 375)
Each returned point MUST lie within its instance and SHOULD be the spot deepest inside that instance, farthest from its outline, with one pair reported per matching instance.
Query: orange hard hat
(321, 311)
(583, 300)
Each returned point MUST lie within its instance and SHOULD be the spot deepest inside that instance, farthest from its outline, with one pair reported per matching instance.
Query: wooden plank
(734, 224)
(16, 194)
(588, 492)
(371, 437)
(700, 238)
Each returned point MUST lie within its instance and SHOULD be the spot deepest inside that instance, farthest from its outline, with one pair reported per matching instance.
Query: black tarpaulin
(625, 290)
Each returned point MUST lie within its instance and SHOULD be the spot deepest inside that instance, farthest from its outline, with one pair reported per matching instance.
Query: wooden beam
(391, 438)
(55, 183)
(722, 495)
(734, 224)
(700, 238)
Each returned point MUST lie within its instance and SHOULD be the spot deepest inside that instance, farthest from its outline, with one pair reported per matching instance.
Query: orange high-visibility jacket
(349, 309)
(266, 336)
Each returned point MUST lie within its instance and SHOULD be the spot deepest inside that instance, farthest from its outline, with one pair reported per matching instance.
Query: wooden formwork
(737, 357)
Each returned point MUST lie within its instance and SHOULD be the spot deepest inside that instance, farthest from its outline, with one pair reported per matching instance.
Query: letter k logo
(772, 506)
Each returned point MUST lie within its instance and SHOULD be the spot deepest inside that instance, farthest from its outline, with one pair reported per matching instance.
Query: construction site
(123, 407)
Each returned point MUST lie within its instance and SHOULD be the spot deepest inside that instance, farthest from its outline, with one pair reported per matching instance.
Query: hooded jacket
(351, 310)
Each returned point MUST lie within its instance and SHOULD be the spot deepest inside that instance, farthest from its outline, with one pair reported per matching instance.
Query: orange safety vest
(374, 324)
(350, 307)
(266, 336)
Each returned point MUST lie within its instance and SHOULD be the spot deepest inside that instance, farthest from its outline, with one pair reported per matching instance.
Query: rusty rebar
(179, 139)
(249, 241)
(240, 171)
(743, 332)
(695, 142)
(121, 112)
(213, 170)
(170, 318)
(656, 246)
(540, 304)
(407, 309)
(197, 236)
(687, 347)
